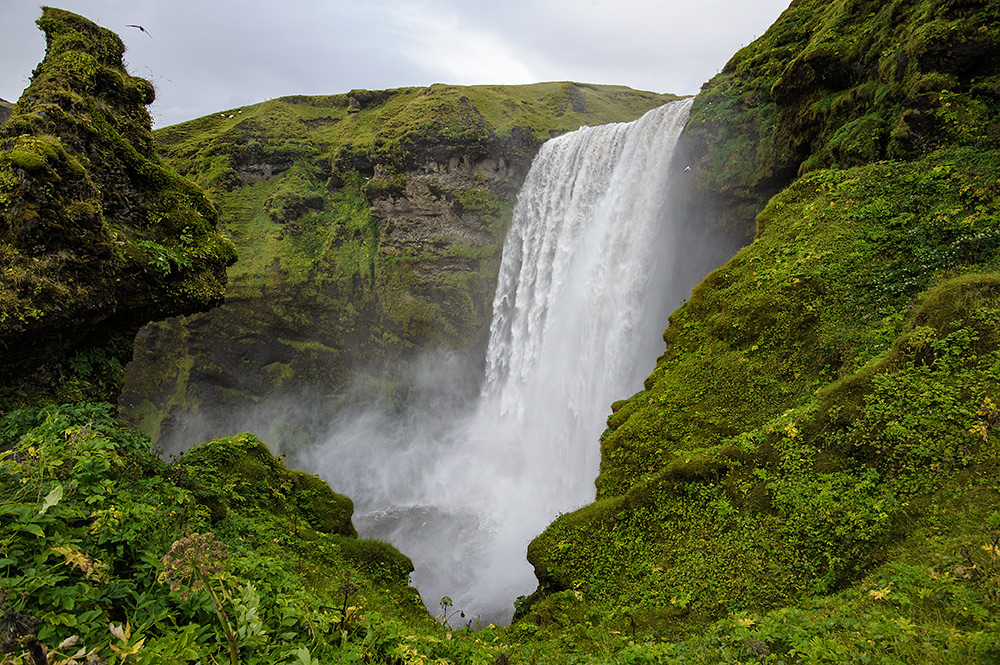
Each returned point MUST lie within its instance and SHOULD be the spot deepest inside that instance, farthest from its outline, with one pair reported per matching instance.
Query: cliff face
(98, 235)
(841, 84)
(370, 226)
(839, 371)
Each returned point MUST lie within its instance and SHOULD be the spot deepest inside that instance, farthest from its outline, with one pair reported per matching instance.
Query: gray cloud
(210, 55)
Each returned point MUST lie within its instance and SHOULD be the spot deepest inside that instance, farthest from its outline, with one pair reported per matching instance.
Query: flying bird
(133, 25)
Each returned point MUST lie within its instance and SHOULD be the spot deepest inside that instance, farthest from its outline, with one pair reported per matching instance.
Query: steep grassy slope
(823, 418)
(370, 226)
(97, 235)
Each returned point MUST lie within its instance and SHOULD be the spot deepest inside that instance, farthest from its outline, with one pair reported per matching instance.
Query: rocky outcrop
(97, 235)
(840, 86)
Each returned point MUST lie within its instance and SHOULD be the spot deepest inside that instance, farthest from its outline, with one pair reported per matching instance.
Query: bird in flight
(133, 25)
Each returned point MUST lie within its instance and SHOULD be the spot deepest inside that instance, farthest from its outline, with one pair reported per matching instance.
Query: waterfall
(581, 300)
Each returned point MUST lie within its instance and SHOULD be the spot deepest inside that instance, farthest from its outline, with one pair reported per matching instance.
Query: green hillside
(370, 226)
(811, 468)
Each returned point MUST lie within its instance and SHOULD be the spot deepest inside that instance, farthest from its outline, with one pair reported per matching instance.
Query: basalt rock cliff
(98, 236)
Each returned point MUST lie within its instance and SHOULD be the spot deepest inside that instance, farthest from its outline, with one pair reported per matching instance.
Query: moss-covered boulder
(98, 235)
(241, 470)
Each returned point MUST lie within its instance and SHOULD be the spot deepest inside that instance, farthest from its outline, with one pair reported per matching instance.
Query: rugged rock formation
(98, 235)
(369, 225)
(840, 85)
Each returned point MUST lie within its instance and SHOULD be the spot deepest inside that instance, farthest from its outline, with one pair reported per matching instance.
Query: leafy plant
(198, 562)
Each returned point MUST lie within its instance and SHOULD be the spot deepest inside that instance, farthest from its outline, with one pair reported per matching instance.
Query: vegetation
(225, 554)
(809, 474)
(841, 83)
(816, 438)
(820, 410)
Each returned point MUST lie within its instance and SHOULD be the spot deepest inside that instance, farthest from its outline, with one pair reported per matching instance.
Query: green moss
(844, 83)
(241, 471)
(376, 559)
(103, 235)
(332, 512)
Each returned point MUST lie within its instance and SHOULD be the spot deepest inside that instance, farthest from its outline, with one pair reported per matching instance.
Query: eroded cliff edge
(98, 235)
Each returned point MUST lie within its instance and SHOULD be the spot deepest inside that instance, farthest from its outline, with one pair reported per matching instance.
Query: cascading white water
(577, 318)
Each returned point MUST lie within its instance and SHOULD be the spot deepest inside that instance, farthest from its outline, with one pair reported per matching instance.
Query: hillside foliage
(808, 476)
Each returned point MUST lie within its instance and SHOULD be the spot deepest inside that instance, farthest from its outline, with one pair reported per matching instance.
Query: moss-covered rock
(843, 83)
(97, 235)
(241, 470)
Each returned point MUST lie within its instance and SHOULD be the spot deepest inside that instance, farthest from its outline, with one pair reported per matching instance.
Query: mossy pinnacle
(99, 235)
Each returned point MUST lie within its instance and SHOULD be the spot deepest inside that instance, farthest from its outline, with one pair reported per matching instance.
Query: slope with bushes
(109, 554)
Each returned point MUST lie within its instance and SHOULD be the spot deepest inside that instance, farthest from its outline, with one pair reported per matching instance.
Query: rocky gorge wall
(370, 226)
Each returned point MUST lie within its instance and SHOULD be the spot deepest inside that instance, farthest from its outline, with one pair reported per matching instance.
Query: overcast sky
(205, 56)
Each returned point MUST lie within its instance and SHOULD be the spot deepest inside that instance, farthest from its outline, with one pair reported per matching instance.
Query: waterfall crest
(577, 316)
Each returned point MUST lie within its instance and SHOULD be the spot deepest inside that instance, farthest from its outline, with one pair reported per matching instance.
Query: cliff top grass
(364, 118)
